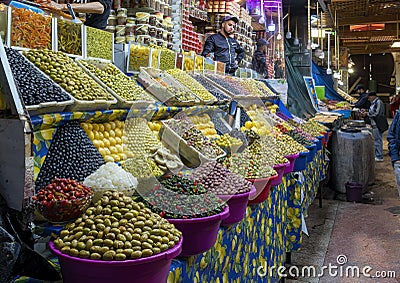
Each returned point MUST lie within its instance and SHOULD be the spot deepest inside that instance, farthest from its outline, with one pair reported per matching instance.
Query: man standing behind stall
(363, 102)
(259, 62)
(224, 46)
(97, 11)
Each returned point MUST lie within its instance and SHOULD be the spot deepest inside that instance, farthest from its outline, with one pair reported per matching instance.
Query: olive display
(251, 86)
(139, 138)
(208, 86)
(288, 146)
(69, 37)
(67, 74)
(32, 85)
(167, 59)
(142, 167)
(219, 180)
(229, 84)
(181, 198)
(117, 228)
(181, 94)
(299, 138)
(205, 125)
(195, 138)
(71, 155)
(264, 88)
(229, 143)
(99, 43)
(191, 84)
(122, 85)
(313, 128)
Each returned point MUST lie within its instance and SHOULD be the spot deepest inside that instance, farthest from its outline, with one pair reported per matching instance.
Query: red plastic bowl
(200, 233)
(280, 170)
(292, 158)
(152, 269)
(263, 187)
(237, 206)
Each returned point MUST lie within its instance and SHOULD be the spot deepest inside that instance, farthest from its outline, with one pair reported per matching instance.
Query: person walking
(393, 139)
(376, 115)
(259, 61)
(225, 47)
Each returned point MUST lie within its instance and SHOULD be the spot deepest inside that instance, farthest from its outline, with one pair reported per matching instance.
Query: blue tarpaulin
(322, 79)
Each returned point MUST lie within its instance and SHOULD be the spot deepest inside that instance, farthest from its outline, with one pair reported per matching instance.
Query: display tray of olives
(51, 97)
(221, 83)
(126, 91)
(60, 68)
(166, 89)
(190, 155)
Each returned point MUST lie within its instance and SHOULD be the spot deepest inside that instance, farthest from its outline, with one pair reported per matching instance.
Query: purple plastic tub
(300, 163)
(312, 151)
(292, 158)
(280, 170)
(153, 269)
(237, 206)
(200, 233)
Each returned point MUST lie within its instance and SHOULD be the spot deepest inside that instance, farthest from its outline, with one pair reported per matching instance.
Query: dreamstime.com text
(339, 269)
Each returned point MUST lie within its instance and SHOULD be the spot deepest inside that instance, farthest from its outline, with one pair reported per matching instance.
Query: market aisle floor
(360, 234)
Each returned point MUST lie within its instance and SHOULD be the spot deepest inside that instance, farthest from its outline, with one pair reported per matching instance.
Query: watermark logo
(338, 269)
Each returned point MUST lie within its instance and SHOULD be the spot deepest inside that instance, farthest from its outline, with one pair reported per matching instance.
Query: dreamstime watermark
(339, 269)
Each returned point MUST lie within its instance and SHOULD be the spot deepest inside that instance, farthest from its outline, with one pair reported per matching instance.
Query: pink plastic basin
(153, 269)
(280, 170)
(200, 233)
(237, 206)
(263, 187)
(292, 158)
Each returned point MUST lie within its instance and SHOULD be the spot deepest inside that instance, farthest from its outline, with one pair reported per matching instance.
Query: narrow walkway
(351, 237)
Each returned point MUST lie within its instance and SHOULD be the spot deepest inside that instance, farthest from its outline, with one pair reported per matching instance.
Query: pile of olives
(118, 82)
(117, 228)
(67, 74)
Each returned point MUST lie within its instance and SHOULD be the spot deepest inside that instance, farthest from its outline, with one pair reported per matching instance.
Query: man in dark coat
(363, 102)
(225, 47)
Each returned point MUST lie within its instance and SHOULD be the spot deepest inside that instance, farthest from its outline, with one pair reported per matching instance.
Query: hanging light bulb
(296, 39)
(262, 18)
(271, 26)
(288, 33)
(279, 36)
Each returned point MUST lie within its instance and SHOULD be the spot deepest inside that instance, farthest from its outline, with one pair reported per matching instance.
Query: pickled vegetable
(99, 44)
(69, 37)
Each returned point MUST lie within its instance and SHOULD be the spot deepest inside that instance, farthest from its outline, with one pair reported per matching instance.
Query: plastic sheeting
(299, 102)
(322, 79)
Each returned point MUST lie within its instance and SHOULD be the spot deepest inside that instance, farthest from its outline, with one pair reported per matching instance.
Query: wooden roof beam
(381, 19)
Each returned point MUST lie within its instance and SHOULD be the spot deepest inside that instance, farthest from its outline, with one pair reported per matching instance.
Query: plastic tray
(192, 156)
(263, 187)
(237, 206)
(300, 163)
(280, 170)
(292, 158)
(152, 269)
(121, 102)
(147, 79)
(51, 106)
(200, 234)
(231, 94)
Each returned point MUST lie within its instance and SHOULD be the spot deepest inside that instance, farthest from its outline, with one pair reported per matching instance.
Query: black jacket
(225, 49)
(99, 20)
(363, 102)
(259, 63)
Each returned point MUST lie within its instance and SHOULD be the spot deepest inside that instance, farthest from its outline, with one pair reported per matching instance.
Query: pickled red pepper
(30, 29)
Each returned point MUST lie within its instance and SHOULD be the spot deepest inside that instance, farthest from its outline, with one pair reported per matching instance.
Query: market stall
(181, 146)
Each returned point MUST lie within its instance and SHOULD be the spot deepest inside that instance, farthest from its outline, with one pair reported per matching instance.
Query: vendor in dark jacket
(224, 46)
(97, 11)
(363, 102)
(393, 139)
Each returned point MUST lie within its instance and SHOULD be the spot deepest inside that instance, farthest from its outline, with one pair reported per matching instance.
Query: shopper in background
(376, 115)
(278, 70)
(394, 104)
(363, 102)
(393, 139)
(224, 46)
(97, 11)
(259, 61)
